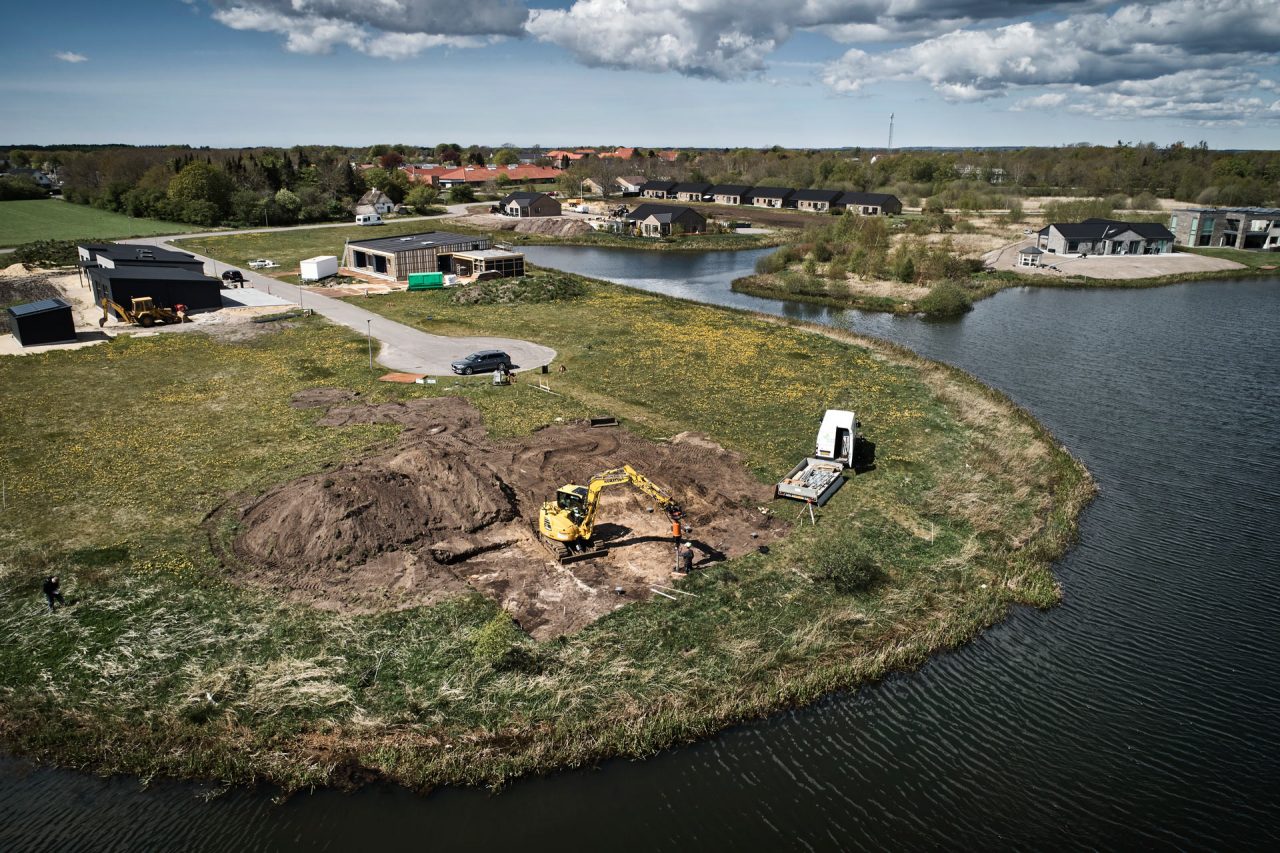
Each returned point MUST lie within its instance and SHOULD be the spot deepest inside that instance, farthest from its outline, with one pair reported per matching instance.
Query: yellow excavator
(144, 312)
(565, 525)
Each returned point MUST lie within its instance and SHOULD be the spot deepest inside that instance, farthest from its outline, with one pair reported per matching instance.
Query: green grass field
(163, 665)
(52, 219)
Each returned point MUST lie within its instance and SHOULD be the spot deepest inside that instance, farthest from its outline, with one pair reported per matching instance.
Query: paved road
(404, 348)
(451, 210)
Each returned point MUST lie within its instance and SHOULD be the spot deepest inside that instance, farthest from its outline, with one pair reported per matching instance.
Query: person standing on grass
(51, 592)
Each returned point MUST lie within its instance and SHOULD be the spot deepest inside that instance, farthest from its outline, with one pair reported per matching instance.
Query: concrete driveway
(403, 348)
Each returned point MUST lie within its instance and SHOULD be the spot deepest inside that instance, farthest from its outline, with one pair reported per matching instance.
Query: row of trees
(215, 187)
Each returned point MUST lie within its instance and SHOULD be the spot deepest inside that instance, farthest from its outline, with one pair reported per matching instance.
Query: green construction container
(426, 280)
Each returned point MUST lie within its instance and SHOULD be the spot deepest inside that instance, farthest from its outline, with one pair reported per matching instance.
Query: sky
(652, 73)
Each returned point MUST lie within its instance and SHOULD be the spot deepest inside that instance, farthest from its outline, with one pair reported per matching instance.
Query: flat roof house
(657, 189)
(690, 192)
(1256, 228)
(729, 193)
(1106, 237)
(815, 201)
(498, 263)
(168, 286)
(119, 255)
(528, 204)
(395, 258)
(770, 196)
(869, 204)
(663, 220)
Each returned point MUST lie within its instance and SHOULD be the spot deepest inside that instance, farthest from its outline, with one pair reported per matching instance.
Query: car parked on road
(480, 362)
(234, 278)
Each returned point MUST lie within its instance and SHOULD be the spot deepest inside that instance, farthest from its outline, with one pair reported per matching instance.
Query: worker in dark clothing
(686, 557)
(51, 592)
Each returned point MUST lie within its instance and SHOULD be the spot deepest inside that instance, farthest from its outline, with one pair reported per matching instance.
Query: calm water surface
(1144, 711)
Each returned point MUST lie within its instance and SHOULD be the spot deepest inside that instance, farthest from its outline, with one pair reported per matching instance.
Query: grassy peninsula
(165, 664)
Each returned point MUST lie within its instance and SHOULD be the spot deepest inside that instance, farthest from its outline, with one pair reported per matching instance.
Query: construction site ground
(233, 321)
(447, 509)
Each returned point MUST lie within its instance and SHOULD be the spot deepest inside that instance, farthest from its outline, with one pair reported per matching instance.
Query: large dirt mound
(448, 508)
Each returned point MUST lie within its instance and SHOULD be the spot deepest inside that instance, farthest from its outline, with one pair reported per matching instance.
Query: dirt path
(447, 509)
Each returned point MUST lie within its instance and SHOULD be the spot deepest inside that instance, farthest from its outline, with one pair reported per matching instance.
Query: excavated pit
(449, 509)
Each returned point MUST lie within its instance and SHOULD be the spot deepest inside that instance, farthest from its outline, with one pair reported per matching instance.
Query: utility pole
(890, 150)
(368, 334)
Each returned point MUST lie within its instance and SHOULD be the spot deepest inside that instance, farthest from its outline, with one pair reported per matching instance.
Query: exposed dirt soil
(555, 226)
(448, 508)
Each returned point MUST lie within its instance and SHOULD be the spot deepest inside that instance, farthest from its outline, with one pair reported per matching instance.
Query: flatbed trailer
(813, 480)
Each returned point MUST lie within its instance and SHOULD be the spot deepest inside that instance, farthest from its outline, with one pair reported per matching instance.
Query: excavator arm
(108, 306)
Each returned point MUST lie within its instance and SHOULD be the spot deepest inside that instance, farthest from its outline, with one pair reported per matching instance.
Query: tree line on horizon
(250, 186)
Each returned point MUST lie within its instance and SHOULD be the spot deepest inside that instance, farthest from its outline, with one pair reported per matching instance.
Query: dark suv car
(479, 362)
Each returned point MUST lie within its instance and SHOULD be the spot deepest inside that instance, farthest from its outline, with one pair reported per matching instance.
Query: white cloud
(1168, 60)
(733, 38)
(316, 34)
(700, 38)
(1049, 100)
(69, 56)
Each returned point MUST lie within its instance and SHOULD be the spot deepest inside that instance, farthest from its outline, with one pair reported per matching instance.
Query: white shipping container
(321, 266)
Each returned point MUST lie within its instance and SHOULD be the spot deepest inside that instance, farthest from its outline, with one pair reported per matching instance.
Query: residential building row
(779, 198)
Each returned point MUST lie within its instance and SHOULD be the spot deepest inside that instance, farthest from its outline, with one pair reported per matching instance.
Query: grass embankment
(52, 219)
(162, 666)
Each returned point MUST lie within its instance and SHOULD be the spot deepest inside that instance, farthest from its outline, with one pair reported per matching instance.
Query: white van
(368, 219)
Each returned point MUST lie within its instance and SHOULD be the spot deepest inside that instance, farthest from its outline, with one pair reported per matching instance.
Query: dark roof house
(114, 255)
(729, 193)
(662, 220)
(526, 204)
(870, 204)
(770, 196)
(690, 192)
(819, 201)
(168, 286)
(1106, 237)
(657, 189)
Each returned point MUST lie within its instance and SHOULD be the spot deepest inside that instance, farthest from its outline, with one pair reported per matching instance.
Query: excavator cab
(573, 500)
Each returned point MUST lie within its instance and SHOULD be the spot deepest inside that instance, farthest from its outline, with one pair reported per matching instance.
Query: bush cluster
(526, 289)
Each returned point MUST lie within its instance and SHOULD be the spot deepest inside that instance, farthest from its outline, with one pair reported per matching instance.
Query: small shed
(321, 266)
(1029, 256)
(506, 264)
(48, 321)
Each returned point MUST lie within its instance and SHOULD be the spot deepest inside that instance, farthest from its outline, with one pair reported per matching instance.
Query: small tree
(461, 194)
(422, 198)
(506, 157)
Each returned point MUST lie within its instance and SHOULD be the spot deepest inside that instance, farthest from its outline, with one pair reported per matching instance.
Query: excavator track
(563, 554)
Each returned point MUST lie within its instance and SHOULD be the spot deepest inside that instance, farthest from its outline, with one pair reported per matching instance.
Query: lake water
(1143, 711)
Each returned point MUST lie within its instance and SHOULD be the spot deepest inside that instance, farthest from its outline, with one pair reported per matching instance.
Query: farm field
(53, 219)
